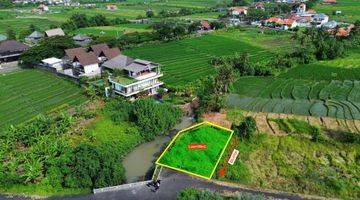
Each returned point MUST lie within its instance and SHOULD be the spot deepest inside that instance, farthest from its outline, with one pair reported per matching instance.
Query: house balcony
(128, 86)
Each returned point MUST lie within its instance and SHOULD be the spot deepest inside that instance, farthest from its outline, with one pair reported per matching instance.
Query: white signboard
(232, 159)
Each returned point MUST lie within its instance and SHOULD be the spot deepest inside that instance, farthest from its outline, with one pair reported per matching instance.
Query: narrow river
(141, 160)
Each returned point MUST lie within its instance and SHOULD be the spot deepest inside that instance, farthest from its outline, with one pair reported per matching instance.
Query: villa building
(82, 62)
(131, 77)
(10, 50)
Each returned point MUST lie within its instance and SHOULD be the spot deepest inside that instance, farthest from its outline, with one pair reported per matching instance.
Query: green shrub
(246, 129)
(190, 193)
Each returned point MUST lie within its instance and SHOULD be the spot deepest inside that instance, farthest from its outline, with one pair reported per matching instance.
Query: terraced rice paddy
(339, 99)
(27, 93)
(187, 60)
(322, 89)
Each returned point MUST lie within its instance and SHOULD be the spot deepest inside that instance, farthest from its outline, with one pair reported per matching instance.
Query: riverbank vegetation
(73, 152)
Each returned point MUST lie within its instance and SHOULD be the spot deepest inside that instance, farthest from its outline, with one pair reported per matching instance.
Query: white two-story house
(130, 77)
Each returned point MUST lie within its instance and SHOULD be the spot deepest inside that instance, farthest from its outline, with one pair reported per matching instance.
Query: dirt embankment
(264, 124)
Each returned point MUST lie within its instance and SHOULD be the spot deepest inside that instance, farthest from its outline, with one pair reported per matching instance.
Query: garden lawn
(27, 93)
(187, 60)
(198, 162)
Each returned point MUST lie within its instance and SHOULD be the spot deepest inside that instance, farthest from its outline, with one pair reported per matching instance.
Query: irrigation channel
(139, 163)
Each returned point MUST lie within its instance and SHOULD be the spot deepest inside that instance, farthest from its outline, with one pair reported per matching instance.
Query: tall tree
(80, 20)
(225, 77)
(10, 33)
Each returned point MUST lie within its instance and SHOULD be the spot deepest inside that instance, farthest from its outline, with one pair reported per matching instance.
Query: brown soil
(267, 126)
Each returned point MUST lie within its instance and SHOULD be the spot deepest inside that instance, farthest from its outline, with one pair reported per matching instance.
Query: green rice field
(27, 93)
(19, 19)
(349, 9)
(114, 31)
(201, 162)
(187, 60)
(316, 89)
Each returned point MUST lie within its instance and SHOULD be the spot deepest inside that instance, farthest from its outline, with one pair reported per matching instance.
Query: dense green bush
(38, 152)
(246, 128)
(152, 118)
(48, 47)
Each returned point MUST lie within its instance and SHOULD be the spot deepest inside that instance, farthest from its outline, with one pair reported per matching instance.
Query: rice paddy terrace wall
(335, 98)
(323, 89)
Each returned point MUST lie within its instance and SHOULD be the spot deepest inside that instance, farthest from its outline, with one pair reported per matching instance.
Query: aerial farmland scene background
(179, 99)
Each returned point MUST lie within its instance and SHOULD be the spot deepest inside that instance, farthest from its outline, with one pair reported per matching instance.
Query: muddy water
(140, 161)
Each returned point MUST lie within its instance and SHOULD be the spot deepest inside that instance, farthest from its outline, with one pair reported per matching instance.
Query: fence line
(120, 187)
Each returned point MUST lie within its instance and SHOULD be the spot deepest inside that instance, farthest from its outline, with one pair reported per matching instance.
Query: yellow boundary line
(191, 127)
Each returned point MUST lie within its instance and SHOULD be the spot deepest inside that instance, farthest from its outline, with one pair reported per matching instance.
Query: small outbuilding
(54, 63)
(34, 37)
(81, 39)
(54, 32)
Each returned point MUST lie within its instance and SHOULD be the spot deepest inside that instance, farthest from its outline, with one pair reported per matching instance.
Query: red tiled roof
(329, 1)
(274, 19)
(239, 9)
(205, 24)
(287, 22)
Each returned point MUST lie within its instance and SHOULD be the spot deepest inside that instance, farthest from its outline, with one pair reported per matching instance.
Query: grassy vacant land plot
(187, 60)
(27, 93)
(327, 169)
(319, 89)
(349, 9)
(198, 162)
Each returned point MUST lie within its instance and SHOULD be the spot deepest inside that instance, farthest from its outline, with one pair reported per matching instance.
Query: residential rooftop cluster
(299, 17)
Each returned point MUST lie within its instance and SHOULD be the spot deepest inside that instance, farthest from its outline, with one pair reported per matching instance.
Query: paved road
(172, 183)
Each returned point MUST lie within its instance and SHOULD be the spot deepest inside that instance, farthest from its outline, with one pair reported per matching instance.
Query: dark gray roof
(81, 37)
(36, 35)
(119, 62)
(10, 46)
(141, 65)
(129, 64)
